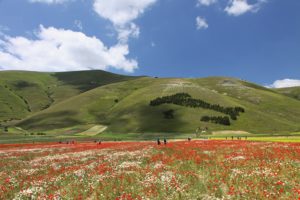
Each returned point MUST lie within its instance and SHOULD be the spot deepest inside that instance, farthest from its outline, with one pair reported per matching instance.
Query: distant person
(99, 142)
(158, 141)
(189, 139)
(165, 141)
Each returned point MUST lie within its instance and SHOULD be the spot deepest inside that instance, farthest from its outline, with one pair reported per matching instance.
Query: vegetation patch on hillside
(185, 99)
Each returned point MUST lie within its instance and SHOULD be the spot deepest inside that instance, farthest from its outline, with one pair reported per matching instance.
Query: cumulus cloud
(239, 7)
(49, 1)
(206, 2)
(201, 23)
(285, 83)
(129, 30)
(122, 14)
(62, 50)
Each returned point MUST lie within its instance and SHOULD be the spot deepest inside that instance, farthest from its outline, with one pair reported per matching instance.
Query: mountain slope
(293, 92)
(23, 93)
(124, 107)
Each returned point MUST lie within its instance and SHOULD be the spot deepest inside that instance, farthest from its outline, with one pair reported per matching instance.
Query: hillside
(24, 93)
(124, 108)
(293, 92)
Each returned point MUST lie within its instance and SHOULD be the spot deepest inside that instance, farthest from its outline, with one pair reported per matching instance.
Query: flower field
(200, 169)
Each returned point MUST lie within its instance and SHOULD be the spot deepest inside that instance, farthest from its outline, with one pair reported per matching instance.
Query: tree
(218, 120)
(184, 99)
(169, 114)
(205, 118)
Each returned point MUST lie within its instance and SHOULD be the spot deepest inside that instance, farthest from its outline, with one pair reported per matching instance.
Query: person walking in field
(158, 141)
(165, 141)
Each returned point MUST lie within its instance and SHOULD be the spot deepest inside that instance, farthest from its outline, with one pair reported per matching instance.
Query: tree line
(218, 120)
(184, 99)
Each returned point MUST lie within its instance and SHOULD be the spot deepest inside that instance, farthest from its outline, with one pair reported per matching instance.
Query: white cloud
(122, 14)
(49, 1)
(285, 83)
(62, 50)
(130, 30)
(239, 7)
(206, 2)
(201, 23)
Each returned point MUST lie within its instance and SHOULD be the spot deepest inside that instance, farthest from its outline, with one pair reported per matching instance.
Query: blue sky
(255, 40)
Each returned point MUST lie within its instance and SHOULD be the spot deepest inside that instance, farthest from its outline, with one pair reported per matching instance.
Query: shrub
(218, 120)
(184, 99)
(169, 114)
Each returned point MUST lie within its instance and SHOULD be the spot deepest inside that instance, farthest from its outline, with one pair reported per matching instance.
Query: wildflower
(280, 183)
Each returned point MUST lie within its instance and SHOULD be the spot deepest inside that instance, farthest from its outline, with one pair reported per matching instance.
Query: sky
(254, 40)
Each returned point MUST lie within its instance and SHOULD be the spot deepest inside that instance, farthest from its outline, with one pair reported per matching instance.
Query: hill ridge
(121, 103)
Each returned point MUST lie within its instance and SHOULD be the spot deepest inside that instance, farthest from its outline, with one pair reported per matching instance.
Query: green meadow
(39, 106)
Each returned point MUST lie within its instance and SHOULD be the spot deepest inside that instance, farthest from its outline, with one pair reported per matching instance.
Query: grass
(290, 137)
(95, 130)
(293, 92)
(24, 93)
(277, 139)
(265, 138)
(79, 100)
(124, 107)
(75, 133)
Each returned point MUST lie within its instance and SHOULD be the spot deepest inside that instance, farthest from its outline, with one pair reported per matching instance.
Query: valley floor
(197, 169)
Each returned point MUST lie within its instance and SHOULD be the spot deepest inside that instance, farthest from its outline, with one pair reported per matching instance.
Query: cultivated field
(203, 169)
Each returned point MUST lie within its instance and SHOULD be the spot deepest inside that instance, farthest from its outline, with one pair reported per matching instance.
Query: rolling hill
(120, 104)
(293, 92)
(24, 93)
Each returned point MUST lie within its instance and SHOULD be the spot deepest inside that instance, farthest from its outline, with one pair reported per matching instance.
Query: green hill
(123, 107)
(24, 93)
(293, 92)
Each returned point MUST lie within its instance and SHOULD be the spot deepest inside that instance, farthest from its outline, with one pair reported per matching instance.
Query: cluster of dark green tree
(184, 99)
(3, 128)
(169, 114)
(218, 120)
